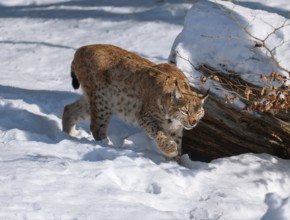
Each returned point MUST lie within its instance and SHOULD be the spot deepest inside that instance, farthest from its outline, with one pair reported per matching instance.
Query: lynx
(157, 98)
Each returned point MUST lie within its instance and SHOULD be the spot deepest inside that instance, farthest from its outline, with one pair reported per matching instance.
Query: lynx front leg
(177, 136)
(73, 113)
(165, 143)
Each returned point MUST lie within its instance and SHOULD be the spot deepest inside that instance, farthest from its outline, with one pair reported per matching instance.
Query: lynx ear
(176, 93)
(205, 96)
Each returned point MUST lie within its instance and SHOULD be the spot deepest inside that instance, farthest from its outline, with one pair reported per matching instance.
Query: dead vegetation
(261, 127)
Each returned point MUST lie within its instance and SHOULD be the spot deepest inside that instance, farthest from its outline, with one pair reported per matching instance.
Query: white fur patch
(175, 124)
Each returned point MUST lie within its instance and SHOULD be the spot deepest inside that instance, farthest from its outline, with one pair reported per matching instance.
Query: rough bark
(227, 130)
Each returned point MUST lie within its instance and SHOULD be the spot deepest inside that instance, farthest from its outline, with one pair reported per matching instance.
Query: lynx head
(179, 102)
(186, 106)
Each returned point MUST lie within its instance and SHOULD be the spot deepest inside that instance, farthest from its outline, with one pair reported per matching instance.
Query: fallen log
(227, 130)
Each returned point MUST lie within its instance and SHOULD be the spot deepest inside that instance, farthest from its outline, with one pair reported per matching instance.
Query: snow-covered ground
(45, 174)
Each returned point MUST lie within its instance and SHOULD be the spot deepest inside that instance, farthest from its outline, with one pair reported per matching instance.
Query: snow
(46, 174)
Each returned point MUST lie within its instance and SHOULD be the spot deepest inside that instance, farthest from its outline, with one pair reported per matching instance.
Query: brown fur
(155, 97)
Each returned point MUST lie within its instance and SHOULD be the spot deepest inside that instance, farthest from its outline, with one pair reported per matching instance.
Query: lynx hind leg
(73, 113)
(165, 143)
(99, 125)
(100, 117)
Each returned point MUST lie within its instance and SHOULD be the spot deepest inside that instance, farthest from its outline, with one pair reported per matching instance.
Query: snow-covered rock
(224, 35)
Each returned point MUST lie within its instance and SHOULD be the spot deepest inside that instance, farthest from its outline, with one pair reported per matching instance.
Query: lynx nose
(193, 122)
(190, 124)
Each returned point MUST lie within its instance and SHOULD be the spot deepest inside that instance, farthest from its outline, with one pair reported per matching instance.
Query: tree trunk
(226, 130)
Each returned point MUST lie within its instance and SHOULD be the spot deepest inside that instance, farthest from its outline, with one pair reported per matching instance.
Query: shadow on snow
(143, 11)
(261, 6)
(38, 113)
(38, 43)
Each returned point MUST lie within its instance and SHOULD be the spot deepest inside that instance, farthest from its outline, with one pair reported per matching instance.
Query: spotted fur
(157, 98)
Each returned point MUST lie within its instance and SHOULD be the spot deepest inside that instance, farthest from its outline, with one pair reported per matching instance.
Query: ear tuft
(204, 97)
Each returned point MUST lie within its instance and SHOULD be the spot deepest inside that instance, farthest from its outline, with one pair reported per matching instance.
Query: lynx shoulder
(155, 97)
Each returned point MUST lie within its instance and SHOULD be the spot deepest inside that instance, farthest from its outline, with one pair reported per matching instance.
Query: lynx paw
(97, 133)
(169, 148)
(98, 137)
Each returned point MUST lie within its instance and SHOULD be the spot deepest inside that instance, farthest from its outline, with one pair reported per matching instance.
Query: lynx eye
(184, 111)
